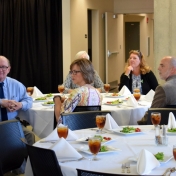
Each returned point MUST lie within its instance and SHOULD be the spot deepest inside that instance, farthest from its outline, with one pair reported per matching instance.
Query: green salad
(49, 95)
(103, 148)
(41, 98)
(49, 102)
(172, 130)
(128, 130)
(159, 156)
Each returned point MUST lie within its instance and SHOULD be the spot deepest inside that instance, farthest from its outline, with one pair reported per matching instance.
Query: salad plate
(167, 158)
(110, 149)
(85, 140)
(35, 101)
(171, 133)
(45, 104)
(114, 103)
(113, 96)
(118, 131)
(109, 104)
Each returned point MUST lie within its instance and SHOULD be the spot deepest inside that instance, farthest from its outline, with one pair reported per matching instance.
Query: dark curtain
(31, 38)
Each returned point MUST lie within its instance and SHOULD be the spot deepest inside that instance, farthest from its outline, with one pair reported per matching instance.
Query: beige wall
(78, 12)
(133, 6)
(164, 30)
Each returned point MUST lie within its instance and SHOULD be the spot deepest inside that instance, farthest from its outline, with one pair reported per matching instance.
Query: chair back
(43, 161)
(82, 172)
(81, 120)
(164, 114)
(81, 108)
(12, 149)
(87, 108)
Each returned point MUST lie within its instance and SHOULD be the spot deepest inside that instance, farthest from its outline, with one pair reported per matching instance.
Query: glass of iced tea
(100, 121)
(155, 118)
(136, 93)
(107, 88)
(94, 146)
(61, 88)
(174, 151)
(62, 131)
(30, 90)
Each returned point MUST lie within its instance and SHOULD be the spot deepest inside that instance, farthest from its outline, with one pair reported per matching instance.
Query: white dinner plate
(83, 140)
(128, 134)
(112, 104)
(166, 159)
(111, 149)
(36, 101)
(110, 96)
(44, 104)
(172, 133)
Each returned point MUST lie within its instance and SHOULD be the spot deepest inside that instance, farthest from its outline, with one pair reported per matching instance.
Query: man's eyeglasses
(74, 72)
(4, 68)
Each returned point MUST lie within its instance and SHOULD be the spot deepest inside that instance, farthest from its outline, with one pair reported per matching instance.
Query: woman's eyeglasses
(74, 72)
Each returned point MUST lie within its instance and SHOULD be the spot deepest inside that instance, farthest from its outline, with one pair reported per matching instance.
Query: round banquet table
(111, 162)
(41, 118)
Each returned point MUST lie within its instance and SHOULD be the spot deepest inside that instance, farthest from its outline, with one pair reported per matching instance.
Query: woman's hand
(128, 70)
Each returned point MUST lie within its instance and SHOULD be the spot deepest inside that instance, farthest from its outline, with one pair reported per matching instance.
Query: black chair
(164, 114)
(80, 109)
(12, 149)
(43, 161)
(87, 108)
(82, 172)
(81, 120)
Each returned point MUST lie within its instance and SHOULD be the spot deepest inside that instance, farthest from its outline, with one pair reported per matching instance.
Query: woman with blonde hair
(138, 74)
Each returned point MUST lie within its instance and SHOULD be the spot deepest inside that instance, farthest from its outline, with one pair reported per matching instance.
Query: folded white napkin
(124, 91)
(146, 162)
(171, 121)
(131, 101)
(64, 150)
(54, 136)
(149, 96)
(110, 122)
(37, 93)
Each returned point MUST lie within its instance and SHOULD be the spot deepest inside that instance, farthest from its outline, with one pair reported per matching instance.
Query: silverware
(172, 170)
(65, 161)
(167, 170)
(49, 141)
(123, 167)
(128, 167)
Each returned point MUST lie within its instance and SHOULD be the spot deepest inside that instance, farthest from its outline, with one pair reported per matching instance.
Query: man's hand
(14, 105)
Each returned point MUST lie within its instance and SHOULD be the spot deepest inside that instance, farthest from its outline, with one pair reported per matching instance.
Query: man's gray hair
(173, 62)
(82, 54)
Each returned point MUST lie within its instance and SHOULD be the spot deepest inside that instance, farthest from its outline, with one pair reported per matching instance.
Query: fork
(128, 167)
(65, 161)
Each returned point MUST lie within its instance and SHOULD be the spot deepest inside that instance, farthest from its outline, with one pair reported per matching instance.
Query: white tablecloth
(130, 146)
(41, 117)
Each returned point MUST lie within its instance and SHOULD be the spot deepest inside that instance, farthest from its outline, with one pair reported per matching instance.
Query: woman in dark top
(138, 74)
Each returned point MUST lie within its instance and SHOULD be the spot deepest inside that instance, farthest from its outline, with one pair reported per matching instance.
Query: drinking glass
(136, 93)
(61, 89)
(62, 131)
(174, 151)
(94, 146)
(155, 118)
(100, 121)
(107, 88)
(30, 90)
